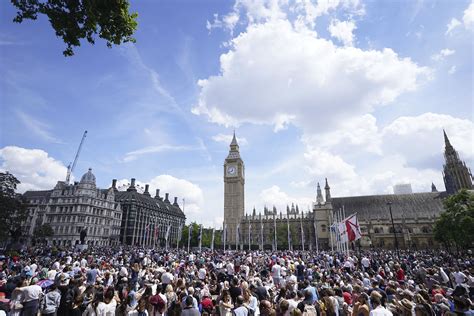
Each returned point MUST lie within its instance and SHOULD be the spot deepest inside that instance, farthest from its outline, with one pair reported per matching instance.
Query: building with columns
(147, 220)
(70, 208)
(414, 214)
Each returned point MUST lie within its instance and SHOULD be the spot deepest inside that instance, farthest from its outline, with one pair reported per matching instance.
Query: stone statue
(83, 236)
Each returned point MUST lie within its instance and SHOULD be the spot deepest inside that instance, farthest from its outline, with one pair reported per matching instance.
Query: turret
(319, 195)
(433, 187)
(327, 189)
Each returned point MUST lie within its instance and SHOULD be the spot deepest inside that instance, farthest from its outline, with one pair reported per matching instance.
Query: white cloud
(361, 132)
(38, 128)
(405, 134)
(452, 70)
(132, 155)
(454, 23)
(33, 167)
(343, 31)
(227, 138)
(443, 54)
(274, 74)
(274, 196)
(181, 188)
(468, 17)
(322, 163)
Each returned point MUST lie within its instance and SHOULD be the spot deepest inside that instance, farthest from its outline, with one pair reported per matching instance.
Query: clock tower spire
(234, 183)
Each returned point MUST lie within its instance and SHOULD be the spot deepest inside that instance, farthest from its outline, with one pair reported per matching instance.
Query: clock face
(231, 170)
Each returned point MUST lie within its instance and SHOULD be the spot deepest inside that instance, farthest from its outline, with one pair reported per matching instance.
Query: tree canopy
(455, 227)
(74, 20)
(12, 207)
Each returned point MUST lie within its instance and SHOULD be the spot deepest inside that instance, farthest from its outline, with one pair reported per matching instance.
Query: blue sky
(355, 91)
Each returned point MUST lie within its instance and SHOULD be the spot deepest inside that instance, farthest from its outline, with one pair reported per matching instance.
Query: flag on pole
(353, 228)
(342, 232)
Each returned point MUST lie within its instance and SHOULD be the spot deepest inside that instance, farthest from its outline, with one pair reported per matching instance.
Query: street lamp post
(393, 227)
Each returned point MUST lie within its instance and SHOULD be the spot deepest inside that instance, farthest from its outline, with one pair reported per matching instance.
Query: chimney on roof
(132, 186)
(114, 184)
(166, 197)
(157, 195)
(175, 201)
(147, 186)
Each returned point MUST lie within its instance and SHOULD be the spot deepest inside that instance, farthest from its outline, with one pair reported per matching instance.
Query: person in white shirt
(365, 262)
(276, 274)
(377, 307)
(31, 297)
(202, 273)
(459, 277)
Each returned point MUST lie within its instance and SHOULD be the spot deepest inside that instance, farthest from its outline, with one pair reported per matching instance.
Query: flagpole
(302, 232)
(250, 227)
(237, 237)
(261, 233)
(338, 233)
(178, 239)
(331, 223)
(275, 233)
(347, 233)
(316, 234)
(200, 237)
(189, 236)
(212, 242)
(288, 230)
(224, 233)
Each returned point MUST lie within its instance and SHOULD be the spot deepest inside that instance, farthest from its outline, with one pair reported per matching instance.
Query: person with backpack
(50, 302)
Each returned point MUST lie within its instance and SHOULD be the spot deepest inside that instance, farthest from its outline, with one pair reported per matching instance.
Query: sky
(354, 91)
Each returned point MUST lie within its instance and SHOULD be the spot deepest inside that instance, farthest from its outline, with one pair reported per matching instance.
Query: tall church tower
(234, 182)
(455, 172)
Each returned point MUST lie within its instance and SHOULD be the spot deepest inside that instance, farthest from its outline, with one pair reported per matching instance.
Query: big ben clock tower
(234, 182)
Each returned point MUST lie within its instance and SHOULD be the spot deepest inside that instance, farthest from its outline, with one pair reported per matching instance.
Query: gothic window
(425, 229)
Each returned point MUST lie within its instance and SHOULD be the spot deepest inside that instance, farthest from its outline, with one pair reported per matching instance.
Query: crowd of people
(134, 281)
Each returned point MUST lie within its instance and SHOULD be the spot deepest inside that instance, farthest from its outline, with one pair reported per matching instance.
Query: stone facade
(70, 208)
(414, 214)
(456, 174)
(234, 194)
(146, 219)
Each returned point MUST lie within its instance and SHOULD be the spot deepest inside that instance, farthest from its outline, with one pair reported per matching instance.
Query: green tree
(13, 209)
(41, 232)
(456, 225)
(74, 20)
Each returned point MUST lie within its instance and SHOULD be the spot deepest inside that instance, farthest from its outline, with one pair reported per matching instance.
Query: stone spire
(234, 149)
(455, 172)
(433, 187)
(319, 196)
(327, 189)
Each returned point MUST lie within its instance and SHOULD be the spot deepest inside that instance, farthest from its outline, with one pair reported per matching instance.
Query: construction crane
(71, 167)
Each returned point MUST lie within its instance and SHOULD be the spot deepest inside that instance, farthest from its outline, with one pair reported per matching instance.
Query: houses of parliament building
(414, 214)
